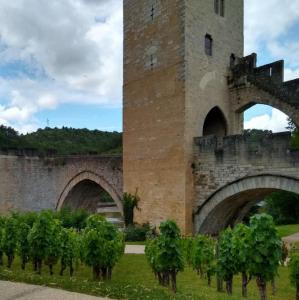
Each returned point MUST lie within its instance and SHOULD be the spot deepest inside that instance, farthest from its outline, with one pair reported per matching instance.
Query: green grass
(133, 279)
(285, 230)
(135, 243)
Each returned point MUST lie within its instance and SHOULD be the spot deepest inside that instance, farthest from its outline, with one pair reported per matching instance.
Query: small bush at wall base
(137, 233)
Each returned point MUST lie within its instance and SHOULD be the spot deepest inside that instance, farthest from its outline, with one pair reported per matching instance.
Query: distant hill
(64, 141)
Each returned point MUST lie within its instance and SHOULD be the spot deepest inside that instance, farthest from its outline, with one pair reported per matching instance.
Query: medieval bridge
(30, 182)
(230, 173)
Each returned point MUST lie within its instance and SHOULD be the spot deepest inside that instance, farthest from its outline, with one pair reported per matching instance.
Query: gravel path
(291, 239)
(134, 249)
(22, 291)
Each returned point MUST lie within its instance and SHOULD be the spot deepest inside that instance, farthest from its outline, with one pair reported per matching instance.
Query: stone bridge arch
(250, 85)
(91, 177)
(246, 97)
(232, 202)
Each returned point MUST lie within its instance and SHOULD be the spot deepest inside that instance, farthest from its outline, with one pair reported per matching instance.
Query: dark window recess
(208, 44)
(232, 60)
(153, 12)
(222, 8)
(216, 6)
(152, 62)
(219, 7)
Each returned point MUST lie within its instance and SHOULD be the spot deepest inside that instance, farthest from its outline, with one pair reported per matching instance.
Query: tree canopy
(62, 141)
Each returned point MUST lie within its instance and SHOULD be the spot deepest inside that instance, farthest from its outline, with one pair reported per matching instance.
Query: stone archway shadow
(233, 201)
(93, 177)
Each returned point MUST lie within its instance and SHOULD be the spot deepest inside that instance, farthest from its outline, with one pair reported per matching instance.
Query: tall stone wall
(170, 84)
(154, 105)
(35, 183)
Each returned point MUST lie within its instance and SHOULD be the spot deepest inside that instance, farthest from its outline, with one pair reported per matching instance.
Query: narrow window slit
(153, 12)
(208, 45)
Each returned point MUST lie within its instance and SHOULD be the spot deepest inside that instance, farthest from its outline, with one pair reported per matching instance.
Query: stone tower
(177, 55)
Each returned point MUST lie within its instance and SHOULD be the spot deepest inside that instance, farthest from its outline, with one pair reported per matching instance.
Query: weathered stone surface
(235, 172)
(34, 183)
(170, 85)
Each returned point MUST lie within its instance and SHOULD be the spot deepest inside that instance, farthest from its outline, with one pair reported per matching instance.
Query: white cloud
(276, 122)
(47, 101)
(70, 52)
(265, 21)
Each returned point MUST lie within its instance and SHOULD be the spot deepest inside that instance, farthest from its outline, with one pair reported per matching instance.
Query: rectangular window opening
(153, 12)
(208, 45)
(216, 6)
(222, 8)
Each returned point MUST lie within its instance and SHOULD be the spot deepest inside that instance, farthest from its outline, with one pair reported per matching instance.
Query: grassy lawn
(135, 243)
(133, 279)
(285, 230)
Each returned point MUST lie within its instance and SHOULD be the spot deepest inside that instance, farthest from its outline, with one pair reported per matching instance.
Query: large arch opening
(93, 193)
(215, 123)
(230, 204)
(266, 118)
(87, 195)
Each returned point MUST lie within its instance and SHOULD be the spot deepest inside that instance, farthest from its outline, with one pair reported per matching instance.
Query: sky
(61, 61)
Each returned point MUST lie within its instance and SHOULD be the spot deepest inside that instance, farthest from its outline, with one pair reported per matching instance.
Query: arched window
(215, 123)
(208, 45)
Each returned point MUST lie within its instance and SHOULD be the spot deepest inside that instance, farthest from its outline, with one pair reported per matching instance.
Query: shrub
(40, 239)
(130, 202)
(265, 254)
(137, 233)
(103, 246)
(294, 269)
(203, 256)
(2, 223)
(69, 249)
(165, 254)
(187, 249)
(241, 251)
(53, 250)
(226, 260)
(23, 243)
(9, 240)
(73, 219)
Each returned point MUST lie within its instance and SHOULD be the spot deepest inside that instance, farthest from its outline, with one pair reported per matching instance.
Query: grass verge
(286, 230)
(132, 279)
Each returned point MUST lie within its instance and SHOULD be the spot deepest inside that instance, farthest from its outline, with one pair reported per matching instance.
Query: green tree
(73, 219)
(166, 254)
(227, 262)
(40, 238)
(9, 241)
(241, 251)
(103, 246)
(69, 249)
(283, 207)
(130, 202)
(53, 250)
(2, 224)
(187, 249)
(23, 243)
(294, 269)
(265, 253)
(203, 256)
